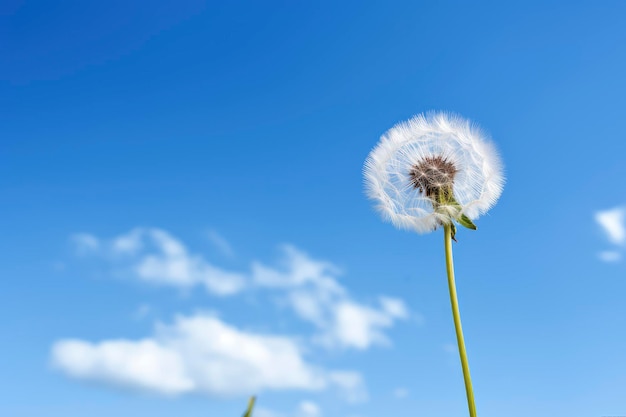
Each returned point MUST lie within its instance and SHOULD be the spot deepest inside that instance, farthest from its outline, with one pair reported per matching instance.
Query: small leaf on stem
(466, 222)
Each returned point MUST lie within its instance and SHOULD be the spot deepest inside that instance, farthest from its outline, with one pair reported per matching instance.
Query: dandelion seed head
(419, 163)
(431, 174)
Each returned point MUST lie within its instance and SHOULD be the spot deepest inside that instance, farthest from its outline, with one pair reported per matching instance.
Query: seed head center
(433, 175)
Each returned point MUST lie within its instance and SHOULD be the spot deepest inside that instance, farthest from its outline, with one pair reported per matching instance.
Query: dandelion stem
(457, 320)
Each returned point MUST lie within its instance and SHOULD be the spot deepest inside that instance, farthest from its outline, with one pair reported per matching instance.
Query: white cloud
(203, 354)
(357, 326)
(309, 286)
(351, 385)
(221, 243)
(315, 295)
(142, 311)
(130, 243)
(59, 266)
(85, 243)
(612, 221)
(265, 412)
(142, 364)
(156, 257)
(610, 256)
(394, 307)
(173, 265)
(200, 354)
(401, 393)
(304, 409)
(297, 269)
(308, 409)
(451, 348)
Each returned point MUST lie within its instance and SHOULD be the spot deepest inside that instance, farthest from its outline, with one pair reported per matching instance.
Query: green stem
(457, 320)
(248, 412)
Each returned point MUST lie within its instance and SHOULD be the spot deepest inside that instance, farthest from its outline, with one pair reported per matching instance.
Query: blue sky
(182, 204)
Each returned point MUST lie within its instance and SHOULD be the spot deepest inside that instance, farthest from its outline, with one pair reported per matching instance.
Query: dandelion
(432, 171)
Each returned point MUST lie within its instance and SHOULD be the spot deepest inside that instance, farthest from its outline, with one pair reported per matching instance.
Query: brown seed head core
(434, 177)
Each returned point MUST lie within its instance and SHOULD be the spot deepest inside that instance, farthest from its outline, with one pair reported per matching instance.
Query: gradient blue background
(254, 119)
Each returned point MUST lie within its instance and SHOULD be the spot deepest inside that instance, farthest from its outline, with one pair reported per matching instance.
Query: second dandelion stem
(457, 320)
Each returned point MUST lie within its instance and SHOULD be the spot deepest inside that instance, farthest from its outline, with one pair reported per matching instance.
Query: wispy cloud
(201, 354)
(304, 409)
(261, 411)
(353, 325)
(142, 312)
(610, 256)
(85, 243)
(613, 223)
(129, 243)
(315, 295)
(400, 392)
(309, 286)
(220, 243)
(172, 264)
(156, 257)
(451, 348)
(308, 409)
